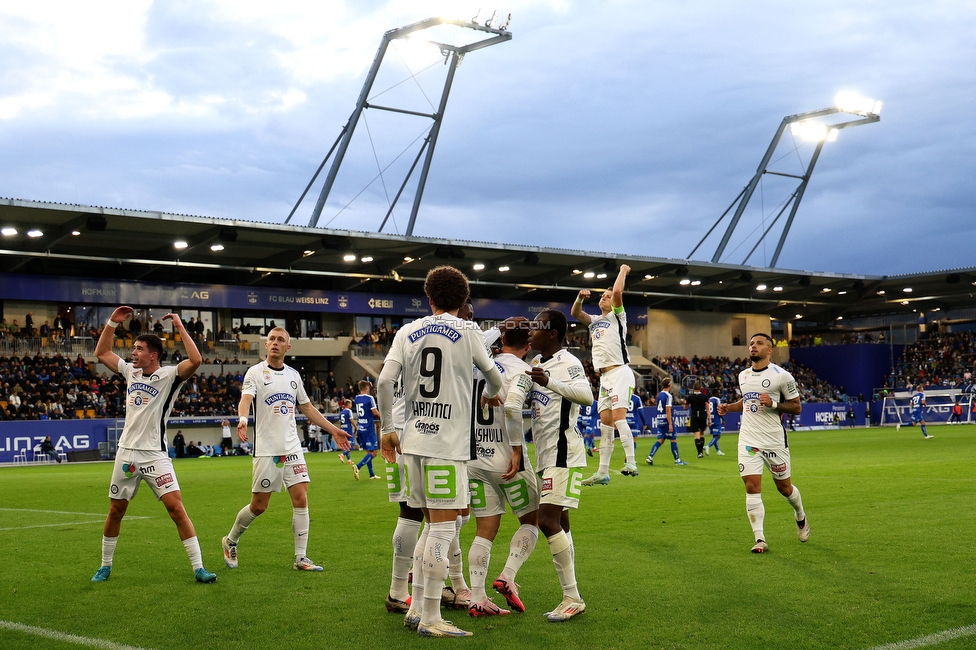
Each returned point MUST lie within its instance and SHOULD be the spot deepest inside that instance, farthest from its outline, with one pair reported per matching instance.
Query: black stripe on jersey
(475, 406)
(786, 437)
(562, 445)
(170, 403)
(623, 338)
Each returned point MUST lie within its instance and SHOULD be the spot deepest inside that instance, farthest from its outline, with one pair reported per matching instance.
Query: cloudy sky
(619, 126)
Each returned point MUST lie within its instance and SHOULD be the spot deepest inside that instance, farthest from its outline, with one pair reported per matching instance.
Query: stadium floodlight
(685, 282)
(349, 257)
(907, 289)
(589, 275)
(8, 232)
(216, 247)
(777, 288)
(817, 127)
(761, 287)
(366, 260)
(75, 233)
(180, 244)
(648, 277)
(503, 269)
(479, 267)
(35, 233)
(409, 45)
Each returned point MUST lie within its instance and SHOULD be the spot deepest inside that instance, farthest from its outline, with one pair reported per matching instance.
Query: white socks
(562, 557)
(192, 547)
(756, 513)
(479, 557)
(299, 526)
(523, 543)
(797, 504)
(417, 604)
(404, 542)
(626, 440)
(436, 563)
(606, 448)
(108, 549)
(457, 564)
(244, 519)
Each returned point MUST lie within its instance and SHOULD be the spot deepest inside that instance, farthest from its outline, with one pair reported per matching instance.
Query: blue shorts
(917, 416)
(662, 432)
(716, 430)
(367, 441)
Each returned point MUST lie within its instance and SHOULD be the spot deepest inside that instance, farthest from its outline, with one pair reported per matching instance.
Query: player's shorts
(662, 432)
(396, 479)
(917, 416)
(271, 472)
(561, 486)
(716, 430)
(132, 466)
(490, 492)
(367, 441)
(752, 459)
(436, 483)
(616, 387)
(697, 424)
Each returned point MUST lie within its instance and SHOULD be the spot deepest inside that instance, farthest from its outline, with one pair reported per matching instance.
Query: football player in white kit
(556, 386)
(276, 390)
(502, 473)
(142, 455)
(436, 355)
(608, 335)
(767, 391)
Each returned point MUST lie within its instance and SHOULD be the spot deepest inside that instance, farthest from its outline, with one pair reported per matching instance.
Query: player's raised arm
(103, 349)
(617, 298)
(193, 357)
(341, 437)
(577, 310)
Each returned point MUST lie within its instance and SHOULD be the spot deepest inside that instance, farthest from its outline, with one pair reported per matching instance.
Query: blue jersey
(588, 417)
(664, 400)
(635, 417)
(346, 421)
(364, 405)
(713, 403)
(917, 401)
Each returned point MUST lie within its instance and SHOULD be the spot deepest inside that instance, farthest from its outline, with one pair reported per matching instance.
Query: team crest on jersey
(294, 386)
(765, 383)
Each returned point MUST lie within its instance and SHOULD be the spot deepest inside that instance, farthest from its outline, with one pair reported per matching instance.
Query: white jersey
(558, 441)
(608, 334)
(436, 355)
(761, 427)
(399, 410)
(148, 402)
(493, 445)
(277, 393)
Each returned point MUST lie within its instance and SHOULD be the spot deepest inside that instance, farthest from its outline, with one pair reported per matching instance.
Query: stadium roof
(79, 240)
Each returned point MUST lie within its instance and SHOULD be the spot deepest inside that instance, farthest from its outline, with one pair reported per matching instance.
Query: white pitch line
(931, 639)
(66, 523)
(64, 512)
(67, 638)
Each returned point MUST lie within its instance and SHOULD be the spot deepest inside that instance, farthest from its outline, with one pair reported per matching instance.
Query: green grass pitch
(662, 559)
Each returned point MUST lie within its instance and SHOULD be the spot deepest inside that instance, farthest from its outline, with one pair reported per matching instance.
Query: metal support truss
(453, 57)
(793, 202)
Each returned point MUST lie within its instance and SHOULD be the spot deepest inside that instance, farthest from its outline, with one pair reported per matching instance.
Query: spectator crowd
(943, 359)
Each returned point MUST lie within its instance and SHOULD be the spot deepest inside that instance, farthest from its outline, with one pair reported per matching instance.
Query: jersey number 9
(430, 368)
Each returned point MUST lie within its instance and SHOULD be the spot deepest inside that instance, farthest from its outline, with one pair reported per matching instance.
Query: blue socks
(657, 445)
(674, 450)
(368, 462)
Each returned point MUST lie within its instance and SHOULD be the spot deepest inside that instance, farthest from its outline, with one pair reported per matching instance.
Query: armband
(243, 421)
(111, 323)
(618, 310)
(774, 405)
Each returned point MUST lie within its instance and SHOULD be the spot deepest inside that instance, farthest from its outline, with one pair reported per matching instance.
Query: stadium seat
(21, 458)
(80, 414)
(90, 414)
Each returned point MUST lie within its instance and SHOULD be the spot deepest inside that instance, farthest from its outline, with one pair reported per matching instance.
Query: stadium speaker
(681, 271)
(804, 281)
(746, 276)
(531, 259)
(953, 278)
(228, 235)
(96, 223)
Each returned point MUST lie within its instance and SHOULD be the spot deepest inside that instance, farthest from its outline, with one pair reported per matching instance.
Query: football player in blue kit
(665, 424)
(916, 404)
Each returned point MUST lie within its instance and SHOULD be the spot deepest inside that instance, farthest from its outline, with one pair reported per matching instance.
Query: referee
(698, 417)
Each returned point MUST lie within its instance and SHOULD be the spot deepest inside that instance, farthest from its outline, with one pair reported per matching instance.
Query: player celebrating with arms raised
(276, 390)
(767, 391)
(608, 334)
(151, 391)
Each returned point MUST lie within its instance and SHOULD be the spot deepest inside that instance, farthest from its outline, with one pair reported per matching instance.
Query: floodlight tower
(453, 55)
(810, 127)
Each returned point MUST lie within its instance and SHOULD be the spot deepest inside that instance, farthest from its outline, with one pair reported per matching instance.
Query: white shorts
(436, 483)
(752, 459)
(561, 486)
(132, 466)
(616, 387)
(396, 480)
(271, 472)
(490, 492)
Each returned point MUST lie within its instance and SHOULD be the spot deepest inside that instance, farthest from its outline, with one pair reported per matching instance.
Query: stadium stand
(936, 359)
